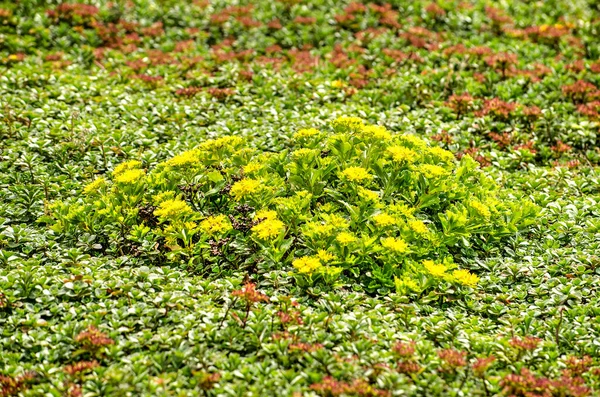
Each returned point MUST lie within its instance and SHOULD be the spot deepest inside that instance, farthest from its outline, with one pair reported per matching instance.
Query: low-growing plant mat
(292, 198)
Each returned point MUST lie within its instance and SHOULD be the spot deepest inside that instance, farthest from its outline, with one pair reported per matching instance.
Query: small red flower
(249, 294)
(453, 359)
(404, 349)
(526, 343)
(79, 367)
(482, 364)
(93, 339)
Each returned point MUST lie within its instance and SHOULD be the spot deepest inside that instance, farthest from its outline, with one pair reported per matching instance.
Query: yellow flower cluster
(431, 171)
(396, 245)
(306, 133)
(331, 223)
(412, 141)
(435, 269)
(184, 159)
(461, 276)
(384, 220)
(317, 229)
(347, 123)
(162, 196)
(405, 283)
(418, 227)
(345, 238)
(269, 229)
(403, 154)
(130, 176)
(336, 221)
(441, 154)
(128, 172)
(325, 256)
(173, 209)
(356, 174)
(304, 153)
(94, 186)
(402, 209)
(376, 132)
(244, 188)
(465, 277)
(368, 195)
(265, 214)
(127, 165)
(251, 168)
(480, 208)
(215, 225)
(220, 143)
(307, 264)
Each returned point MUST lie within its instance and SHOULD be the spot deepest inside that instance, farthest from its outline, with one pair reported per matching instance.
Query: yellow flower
(441, 154)
(345, 238)
(306, 133)
(480, 208)
(244, 188)
(296, 204)
(189, 225)
(130, 176)
(376, 132)
(356, 174)
(247, 152)
(325, 256)
(163, 196)
(214, 144)
(436, 270)
(401, 209)
(127, 165)
(316, 229)
(338, 84)
(93, 186)
(184, 159)
(418, 227)
(336, 221)
(307, 264)
(402, 284)
(368, 195)
(403, 154)
(304, 153)
(432, 171)
(173, 208)
(268, 229)
(215, 225)
(266, 214)
(347, 123)
(384, 220)
(413, 141)
(252, 167)
(394, 244)
(465, 277)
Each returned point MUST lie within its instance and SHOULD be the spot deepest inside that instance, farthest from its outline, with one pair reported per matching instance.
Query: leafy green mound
(358, 203)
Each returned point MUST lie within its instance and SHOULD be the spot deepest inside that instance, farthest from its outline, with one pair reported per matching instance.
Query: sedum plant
(356, 204)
